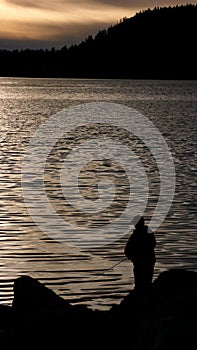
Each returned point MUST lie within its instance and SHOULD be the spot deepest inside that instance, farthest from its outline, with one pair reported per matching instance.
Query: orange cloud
(37, 22)
(53, 19)
(132, 4)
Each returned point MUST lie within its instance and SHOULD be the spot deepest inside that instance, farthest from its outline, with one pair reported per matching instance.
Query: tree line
(154, 44)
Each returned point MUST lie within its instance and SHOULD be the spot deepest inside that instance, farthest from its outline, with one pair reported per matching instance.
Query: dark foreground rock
(30, 295)
(165, 317)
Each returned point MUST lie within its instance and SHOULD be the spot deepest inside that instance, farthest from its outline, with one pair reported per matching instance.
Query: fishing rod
(113, 266)
(102, 272)
(118, 263)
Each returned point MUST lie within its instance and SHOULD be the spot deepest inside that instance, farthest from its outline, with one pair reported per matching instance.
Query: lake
(84, 275)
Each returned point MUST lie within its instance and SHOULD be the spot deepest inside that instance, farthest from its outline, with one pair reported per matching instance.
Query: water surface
(84, 276)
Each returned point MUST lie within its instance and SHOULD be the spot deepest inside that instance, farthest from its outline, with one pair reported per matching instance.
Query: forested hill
(154, 44)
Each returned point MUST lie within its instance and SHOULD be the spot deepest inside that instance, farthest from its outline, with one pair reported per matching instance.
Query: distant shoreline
(156, 44)
(100, 79)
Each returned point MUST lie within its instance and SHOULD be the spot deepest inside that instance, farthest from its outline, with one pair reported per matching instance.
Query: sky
(55, 23)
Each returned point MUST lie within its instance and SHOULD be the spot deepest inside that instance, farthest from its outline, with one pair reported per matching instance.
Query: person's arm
(153, 240)
(129, 249)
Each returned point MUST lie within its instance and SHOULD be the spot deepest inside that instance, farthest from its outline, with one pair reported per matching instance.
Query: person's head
(138, 221)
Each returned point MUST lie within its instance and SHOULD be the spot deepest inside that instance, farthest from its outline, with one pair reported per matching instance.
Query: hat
(137, 219)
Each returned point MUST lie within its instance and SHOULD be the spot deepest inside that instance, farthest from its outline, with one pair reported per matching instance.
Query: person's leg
(139, 277)
(148, 274)
(143, 275)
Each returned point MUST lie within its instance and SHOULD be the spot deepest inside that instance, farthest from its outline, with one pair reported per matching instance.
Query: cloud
(126, 3)
(132, 4)
(139, 4)
(39, 4)
(54, 36)
(46, 35)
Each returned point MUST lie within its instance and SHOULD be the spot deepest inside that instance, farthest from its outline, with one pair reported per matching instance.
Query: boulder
(6, 326)
(172, 324)
(32, 296)
(169, 284)
(165, 316)
(46, 318)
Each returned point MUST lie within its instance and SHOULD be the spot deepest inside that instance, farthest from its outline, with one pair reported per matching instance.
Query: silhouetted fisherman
(140, 250)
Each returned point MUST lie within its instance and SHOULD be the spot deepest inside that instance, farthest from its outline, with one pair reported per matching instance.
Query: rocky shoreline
(165, 317)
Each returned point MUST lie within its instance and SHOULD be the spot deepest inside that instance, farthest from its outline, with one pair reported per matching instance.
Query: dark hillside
(157, 43)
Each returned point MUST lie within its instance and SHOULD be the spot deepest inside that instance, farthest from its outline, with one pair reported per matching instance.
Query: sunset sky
(47, 23)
